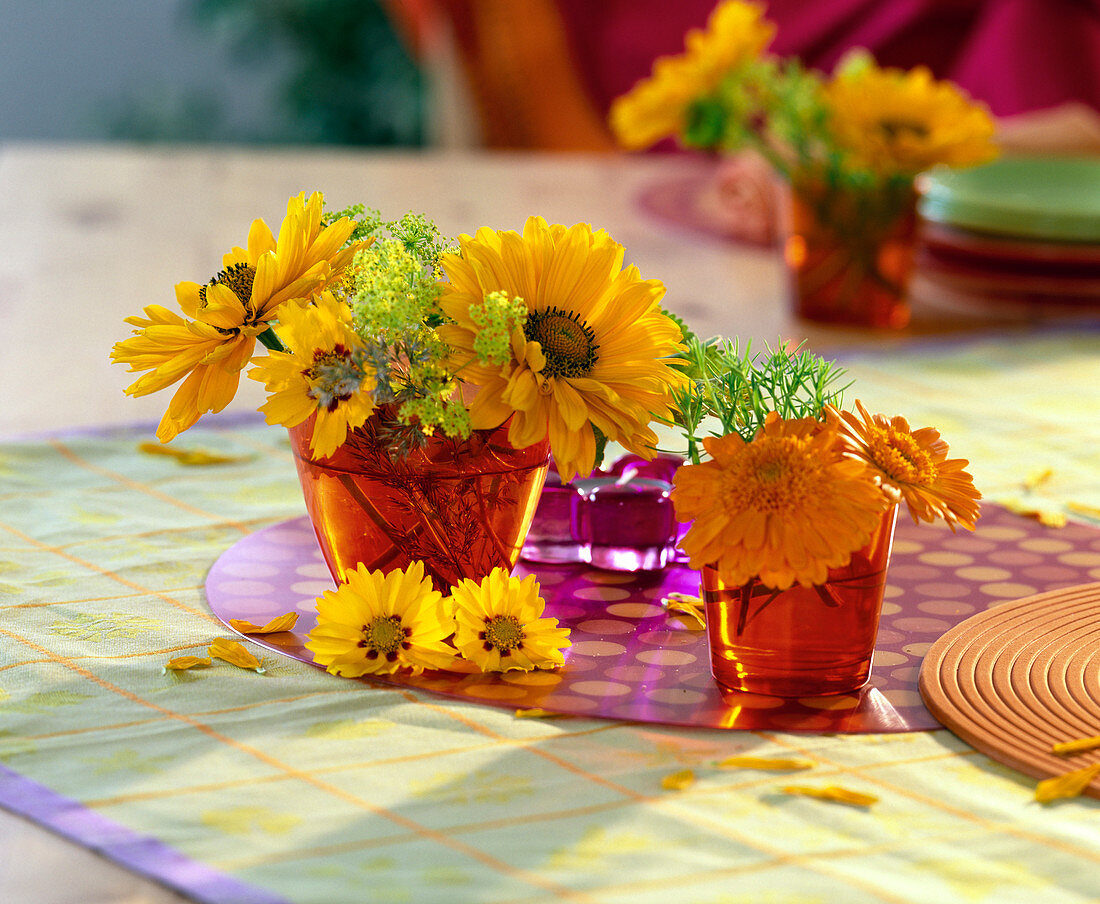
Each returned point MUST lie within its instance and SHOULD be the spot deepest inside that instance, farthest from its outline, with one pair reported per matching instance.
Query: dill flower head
(657, 106)
(893, 121)
(593, 351)
(392, 289)
(375, 624)
(499, 624)
(325, 372)
(785, 507)
(209, 348)
(913, 465)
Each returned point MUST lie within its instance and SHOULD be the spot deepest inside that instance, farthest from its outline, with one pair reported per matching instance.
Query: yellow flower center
(384, 636)
(900, 457)
(774, 475)
(239, 279)
(567, 342)
(894, 129)
(503, 633)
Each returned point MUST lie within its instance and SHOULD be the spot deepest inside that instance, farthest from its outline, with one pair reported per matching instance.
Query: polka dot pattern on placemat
(622, 638)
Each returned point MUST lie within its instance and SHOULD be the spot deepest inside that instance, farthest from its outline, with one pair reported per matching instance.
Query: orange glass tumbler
(803, 641)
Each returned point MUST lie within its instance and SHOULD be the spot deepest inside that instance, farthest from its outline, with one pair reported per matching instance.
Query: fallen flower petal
(192, 456)
(1045, 517)
(833, 793)
(535, 713)
(279, 623)
(678, 781)
(1080, 745)
(690, 606)
(1037, 478)
(181, 663)
(771, 764)
(235, 654)
(1072, 784)
(1079, 508)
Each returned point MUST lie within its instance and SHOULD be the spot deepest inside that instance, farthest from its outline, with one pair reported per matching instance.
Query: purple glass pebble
(663, 467)
(629, 525)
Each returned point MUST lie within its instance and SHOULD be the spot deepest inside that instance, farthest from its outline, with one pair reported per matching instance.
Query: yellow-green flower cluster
(496, 318)
(392, 290)
(439, 406)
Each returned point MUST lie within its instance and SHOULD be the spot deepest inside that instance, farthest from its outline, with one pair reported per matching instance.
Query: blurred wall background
(245, 71)
(501, 73)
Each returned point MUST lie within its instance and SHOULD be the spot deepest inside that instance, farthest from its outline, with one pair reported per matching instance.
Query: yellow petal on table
(1046, 517)
(235, 654)
(690, 606)
(678, 781)
(771, 764)
(1080, 745)
(534, 712)
(1079, 508)
(1072, 784)
(278, 623)
(191, 456)
(182, 663)
(833, 793)
(1037, 478)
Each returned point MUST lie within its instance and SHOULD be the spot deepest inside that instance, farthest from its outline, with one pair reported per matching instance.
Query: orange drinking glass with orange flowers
(803, 641)
(792, 528)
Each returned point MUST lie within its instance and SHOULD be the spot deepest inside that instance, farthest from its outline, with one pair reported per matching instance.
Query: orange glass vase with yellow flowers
(793, 518)
(850, 253)
(460, 506)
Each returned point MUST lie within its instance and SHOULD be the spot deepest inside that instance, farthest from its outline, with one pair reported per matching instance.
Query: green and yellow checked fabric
(318, 790)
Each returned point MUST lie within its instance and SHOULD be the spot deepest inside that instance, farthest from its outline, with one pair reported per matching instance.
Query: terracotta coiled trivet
(1018, 678)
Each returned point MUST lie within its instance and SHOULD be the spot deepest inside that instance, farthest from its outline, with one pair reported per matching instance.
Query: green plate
(1050, 198)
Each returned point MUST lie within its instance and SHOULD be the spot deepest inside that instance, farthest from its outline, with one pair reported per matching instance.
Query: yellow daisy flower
(225, 315)
(590, 351)
(784, 508)
(913, 464)
(499, 624)
(896, 121)
(324, 372)
(655, 107)
(375, 624)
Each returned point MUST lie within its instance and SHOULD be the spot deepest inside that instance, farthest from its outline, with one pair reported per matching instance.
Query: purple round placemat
(631, 660)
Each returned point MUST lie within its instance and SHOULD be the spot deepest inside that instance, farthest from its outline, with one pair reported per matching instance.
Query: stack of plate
(1021, 231)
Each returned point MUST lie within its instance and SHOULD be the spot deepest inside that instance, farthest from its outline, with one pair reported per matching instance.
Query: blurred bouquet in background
(849, 145)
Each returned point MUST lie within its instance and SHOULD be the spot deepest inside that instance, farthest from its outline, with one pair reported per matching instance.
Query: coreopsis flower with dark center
(499, 624)
(375, 624)
(324, 371)
(210, 346)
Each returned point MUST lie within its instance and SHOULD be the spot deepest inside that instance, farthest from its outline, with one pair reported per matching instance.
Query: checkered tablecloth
(300, 787)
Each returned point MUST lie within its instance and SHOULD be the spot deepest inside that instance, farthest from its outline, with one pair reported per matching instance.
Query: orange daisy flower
(784, 508)
(913, 464)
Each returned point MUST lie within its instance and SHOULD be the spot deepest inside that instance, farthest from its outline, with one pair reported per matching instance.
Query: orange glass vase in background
(850, 253)
(805, 641)
(463, 507)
